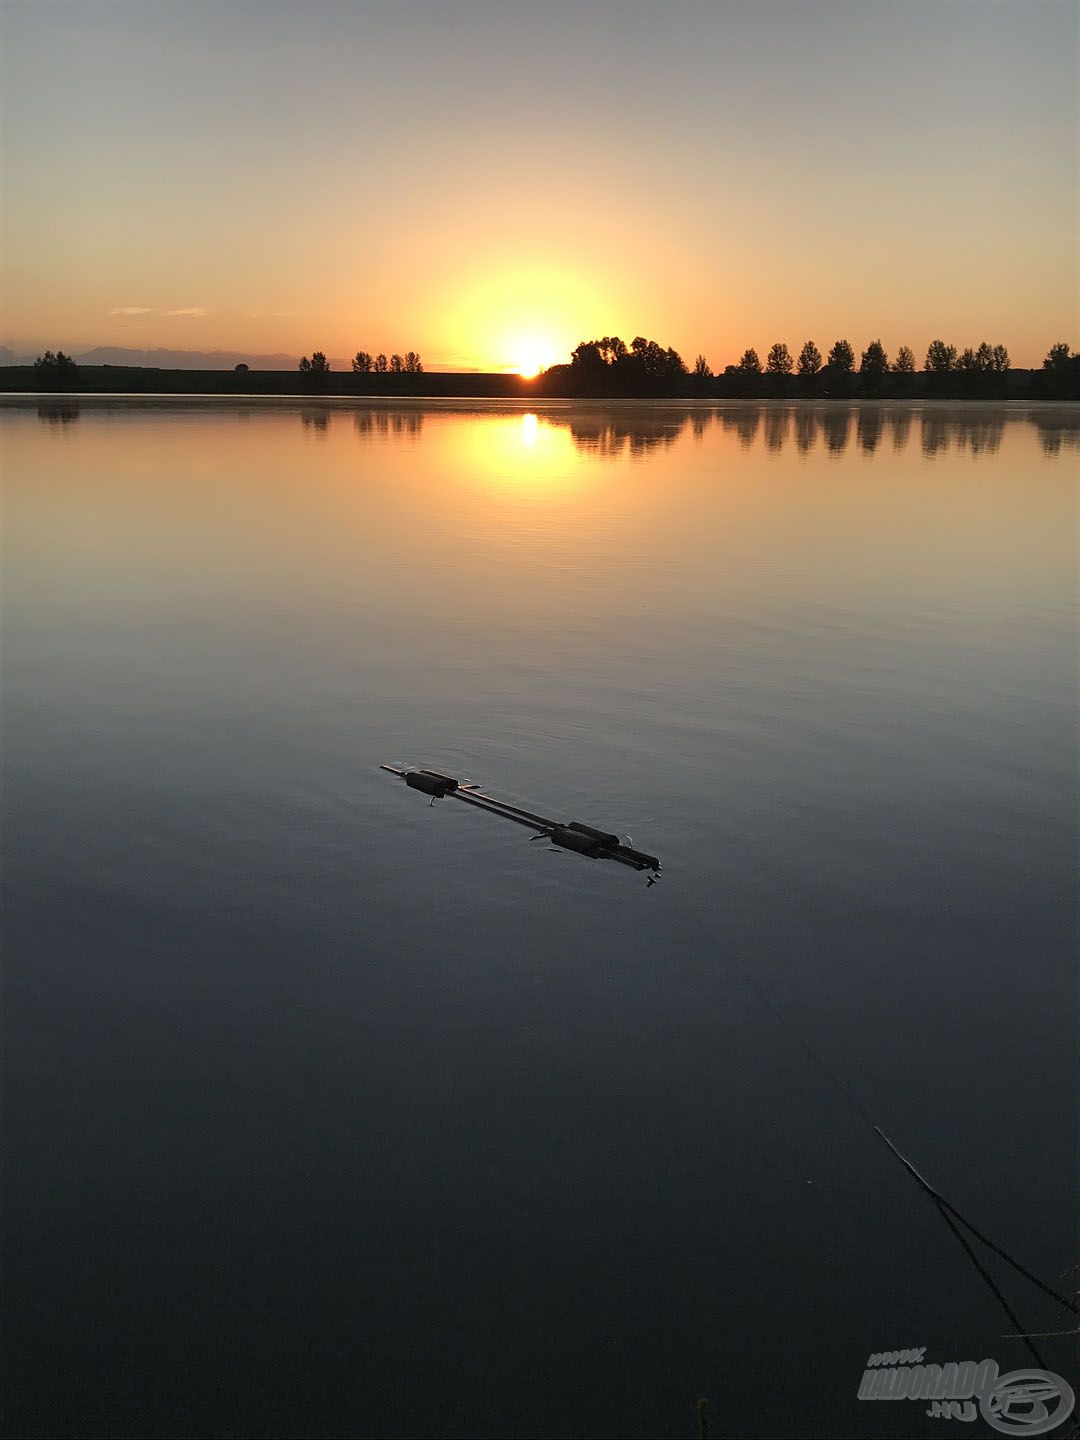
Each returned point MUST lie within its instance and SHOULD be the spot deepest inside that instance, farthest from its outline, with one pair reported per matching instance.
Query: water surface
(330, 1113)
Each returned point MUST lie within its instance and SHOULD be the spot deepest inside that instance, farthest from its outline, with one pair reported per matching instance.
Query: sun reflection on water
(519, 457)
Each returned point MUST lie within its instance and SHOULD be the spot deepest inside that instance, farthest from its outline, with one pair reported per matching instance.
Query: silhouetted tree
(747, 373)
(381, 365)
(778, 366)
(1057, 357)
(940, 365)
(656, 368)
(586, 353)
(588, 365)
(241, 368)
(809, 360)
(315, 368)
(657, 363)
(612, 349)
(397, 365)
(362, 362)
(413, 365)
(841, 358)
(994, 365)
(1060, 376)
(607, 366)
(903, 370)
(839, 369)
(973, 369)
(701, 369)
(940, 358)
(873, 367)
(55, 372)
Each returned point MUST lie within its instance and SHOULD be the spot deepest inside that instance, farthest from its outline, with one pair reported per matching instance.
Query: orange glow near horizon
(504, 217)
(533, 355)
(521, 317)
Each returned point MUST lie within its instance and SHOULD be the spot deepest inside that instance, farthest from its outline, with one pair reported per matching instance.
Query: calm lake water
(332, 1114)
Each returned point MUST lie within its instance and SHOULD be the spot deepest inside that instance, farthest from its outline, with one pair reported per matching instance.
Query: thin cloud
(195, 310)
(131, 310)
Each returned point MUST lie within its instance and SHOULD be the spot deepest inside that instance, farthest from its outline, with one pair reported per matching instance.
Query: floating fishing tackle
(570, 835)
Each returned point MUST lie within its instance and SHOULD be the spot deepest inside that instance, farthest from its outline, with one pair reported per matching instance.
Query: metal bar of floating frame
(532, 822)
(506, 806)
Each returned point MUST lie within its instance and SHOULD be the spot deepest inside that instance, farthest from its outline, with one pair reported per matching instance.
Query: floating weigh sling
(572, 835)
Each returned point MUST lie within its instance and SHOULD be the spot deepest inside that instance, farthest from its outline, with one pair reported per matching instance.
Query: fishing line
(945, 1208)
(943, 1211)
(940, 1199)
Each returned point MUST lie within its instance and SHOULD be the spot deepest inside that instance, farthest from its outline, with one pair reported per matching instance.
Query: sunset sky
(488, 183)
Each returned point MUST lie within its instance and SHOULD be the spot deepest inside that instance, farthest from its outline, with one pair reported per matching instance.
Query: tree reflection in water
(634, 431)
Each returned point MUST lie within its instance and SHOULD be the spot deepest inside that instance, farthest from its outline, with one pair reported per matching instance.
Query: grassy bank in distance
(557, 383)
(136, 379)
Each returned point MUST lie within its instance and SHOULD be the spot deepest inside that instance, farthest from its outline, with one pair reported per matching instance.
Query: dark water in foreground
(328, 1113)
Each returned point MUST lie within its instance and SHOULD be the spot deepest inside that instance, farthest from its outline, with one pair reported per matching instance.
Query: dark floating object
(430, 782)
(572, 835)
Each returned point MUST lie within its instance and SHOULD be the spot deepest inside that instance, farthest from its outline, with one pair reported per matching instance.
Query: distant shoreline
(133, 379)
(89, 380)
(58, 399)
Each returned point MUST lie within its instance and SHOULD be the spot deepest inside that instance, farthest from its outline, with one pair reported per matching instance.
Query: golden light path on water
(521, 457)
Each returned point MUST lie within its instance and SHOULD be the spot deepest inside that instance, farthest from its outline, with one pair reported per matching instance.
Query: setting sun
(532, 355)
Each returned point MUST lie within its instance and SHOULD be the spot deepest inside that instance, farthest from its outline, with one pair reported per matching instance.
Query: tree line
(837, 373)
(364, 363)
(609, 366)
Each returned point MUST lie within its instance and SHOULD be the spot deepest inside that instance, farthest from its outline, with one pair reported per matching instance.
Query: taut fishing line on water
(595, 844)
(948, 1212)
